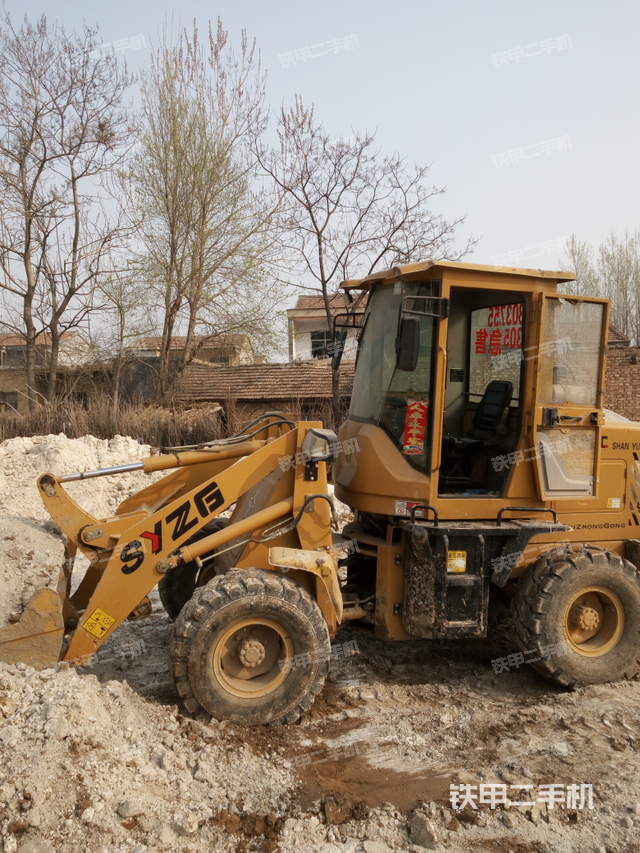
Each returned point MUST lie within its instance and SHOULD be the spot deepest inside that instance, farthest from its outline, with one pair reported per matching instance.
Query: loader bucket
(37, 638)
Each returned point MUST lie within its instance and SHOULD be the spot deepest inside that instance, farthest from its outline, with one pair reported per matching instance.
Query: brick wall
(622, 381)
(14, 381)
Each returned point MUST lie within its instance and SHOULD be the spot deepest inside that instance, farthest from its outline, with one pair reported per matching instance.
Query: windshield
(396, 400)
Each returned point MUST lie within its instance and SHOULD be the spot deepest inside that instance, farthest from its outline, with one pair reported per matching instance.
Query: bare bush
(154, 425)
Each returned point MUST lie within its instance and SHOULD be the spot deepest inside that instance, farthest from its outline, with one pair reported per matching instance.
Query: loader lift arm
(131, 551)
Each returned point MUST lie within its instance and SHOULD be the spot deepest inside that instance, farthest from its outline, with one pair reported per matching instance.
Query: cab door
(569, 395)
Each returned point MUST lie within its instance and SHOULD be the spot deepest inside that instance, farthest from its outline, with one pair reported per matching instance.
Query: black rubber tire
(231, 598)
(176, 588)
(178, 585)
(540, 602)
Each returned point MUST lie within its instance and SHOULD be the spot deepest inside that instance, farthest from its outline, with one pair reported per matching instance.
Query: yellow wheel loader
(478, 460)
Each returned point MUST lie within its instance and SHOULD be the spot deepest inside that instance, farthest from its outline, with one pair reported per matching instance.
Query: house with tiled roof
(245, 391)
(216, 349)
(140, 376)
(617, 339)
(75, 352)
(309, 333)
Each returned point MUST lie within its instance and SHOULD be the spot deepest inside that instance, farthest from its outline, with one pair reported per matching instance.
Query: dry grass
(152, 425)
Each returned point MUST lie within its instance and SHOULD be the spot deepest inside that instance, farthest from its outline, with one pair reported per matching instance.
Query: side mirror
(408, 344)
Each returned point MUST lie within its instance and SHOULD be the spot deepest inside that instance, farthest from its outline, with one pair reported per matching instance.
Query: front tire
(579, 613)
(229, 646)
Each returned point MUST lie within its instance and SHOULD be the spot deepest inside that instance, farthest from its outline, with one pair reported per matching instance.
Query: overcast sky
(528, 111)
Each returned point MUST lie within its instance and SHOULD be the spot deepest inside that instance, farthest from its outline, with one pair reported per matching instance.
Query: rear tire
(589, 602)
(176, 588)
(230, 642)
(178, 585)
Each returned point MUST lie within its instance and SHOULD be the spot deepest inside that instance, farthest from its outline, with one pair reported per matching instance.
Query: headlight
(319, 445)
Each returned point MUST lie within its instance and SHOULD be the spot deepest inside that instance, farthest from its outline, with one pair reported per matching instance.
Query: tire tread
(223, 590)
(543, 580)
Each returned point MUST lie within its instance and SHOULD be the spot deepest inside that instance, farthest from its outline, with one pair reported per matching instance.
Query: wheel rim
(594, 621)
(245, 660)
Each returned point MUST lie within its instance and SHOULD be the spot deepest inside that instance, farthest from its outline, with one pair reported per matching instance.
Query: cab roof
(398, 272)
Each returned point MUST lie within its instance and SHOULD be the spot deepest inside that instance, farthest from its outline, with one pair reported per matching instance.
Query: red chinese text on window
(481, 341)
(495, 342)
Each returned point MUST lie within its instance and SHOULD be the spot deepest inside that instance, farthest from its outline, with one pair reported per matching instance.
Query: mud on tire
(203, 654)
(542, 610)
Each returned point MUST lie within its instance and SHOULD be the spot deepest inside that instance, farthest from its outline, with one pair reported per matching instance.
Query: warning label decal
(98, 623)
(456, 561)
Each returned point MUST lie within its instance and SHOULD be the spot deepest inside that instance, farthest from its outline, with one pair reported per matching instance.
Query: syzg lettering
(207, 500)
(182, 522)
(131, 552)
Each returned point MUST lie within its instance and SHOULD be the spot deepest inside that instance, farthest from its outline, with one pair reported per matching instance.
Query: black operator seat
(493, 408)
(489, 418)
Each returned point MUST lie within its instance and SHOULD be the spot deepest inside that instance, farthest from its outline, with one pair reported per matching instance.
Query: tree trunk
(53, 363)
(30, 329)
(187, 353)
(30, 356)
(165, 356)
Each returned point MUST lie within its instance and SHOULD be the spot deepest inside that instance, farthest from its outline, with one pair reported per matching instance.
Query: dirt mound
(23, 460)
(83, 763)
(342, 513)
(30, 558)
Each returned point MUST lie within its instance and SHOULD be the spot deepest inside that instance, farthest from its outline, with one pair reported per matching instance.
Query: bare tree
(348, 209)
(580, 261)
(205, 222)
(618, 272)
(614, 275)
(124, 317)
(63, 130)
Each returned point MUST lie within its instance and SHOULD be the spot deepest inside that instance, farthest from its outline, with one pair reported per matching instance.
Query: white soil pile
(341, 512)
(87, 766)
(31, 549)
(23, 460)
(30, 558)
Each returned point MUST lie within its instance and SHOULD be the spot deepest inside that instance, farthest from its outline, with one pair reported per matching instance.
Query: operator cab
(445, 371)
(482, 403)
(484, 366)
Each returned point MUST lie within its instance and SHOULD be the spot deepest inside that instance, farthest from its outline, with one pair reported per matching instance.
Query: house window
(8, 401)
(319, 343)
(219, 359)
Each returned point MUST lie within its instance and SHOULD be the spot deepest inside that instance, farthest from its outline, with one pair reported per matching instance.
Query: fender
(318, 563)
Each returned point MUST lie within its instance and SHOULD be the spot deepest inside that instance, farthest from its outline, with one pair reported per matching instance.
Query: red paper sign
(415, 426)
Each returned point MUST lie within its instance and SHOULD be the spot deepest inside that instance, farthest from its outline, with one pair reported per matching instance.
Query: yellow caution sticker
(98, 623)
(456, 561)
(613, 503)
